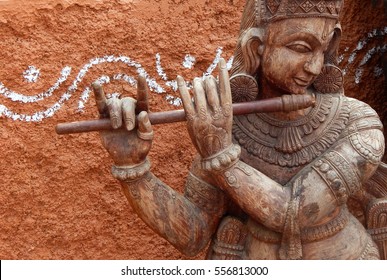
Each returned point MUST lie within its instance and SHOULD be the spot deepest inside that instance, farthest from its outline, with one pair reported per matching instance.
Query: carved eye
(300, 47)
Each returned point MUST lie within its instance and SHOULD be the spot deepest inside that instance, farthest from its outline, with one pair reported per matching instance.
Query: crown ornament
(273, 10)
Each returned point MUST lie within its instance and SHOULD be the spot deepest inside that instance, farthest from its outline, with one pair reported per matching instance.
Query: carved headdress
(272, 10)
(256, 16)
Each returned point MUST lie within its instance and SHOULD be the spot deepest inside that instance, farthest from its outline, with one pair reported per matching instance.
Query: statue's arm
(187, 221)
(321, 187)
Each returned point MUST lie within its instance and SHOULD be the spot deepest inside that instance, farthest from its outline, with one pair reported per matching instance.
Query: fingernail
(129, 124)
(197, 80)
(212, 79)
(96, 85)
(144, 116)
(222, 63)
(115, 124)
(180, 81)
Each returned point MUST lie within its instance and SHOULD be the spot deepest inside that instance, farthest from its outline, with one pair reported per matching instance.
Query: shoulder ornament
(362, 117)
(369, 144)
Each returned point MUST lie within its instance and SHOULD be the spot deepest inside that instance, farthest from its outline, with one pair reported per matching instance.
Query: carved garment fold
(291, 246)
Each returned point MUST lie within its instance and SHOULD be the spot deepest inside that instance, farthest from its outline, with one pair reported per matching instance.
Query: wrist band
(222, 160)
(131, 173)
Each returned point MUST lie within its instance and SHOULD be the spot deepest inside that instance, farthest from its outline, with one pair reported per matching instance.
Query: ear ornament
(330, 80)
(244, 88)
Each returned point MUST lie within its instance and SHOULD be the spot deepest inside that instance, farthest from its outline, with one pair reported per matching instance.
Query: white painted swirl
(32, 74)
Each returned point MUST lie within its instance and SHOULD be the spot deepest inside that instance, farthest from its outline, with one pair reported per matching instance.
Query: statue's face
(294, 53)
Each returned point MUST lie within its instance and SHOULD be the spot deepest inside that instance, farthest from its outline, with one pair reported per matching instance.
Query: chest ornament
(293, 143)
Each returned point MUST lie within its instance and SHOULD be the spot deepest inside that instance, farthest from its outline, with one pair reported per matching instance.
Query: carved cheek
(289, 62)
(293, 63)
(297, 61)
(315, 64)
(273, 63)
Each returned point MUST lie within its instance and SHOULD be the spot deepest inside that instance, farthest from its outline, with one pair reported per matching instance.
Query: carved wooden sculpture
(282, 185)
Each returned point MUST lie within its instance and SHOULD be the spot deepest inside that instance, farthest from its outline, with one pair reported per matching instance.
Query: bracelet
(223, 159)
(131, 173)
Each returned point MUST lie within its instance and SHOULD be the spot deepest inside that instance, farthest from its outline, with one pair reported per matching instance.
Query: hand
(130, 141)
(209, 118)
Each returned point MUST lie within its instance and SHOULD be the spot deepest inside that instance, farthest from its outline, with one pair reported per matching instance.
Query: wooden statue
(304, 184)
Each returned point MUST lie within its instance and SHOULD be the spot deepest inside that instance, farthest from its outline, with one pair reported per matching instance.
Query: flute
(285, 103)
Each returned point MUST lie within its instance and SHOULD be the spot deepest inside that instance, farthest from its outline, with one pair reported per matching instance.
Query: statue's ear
(252, 49)
(331, 78)
(333, 49)
(243, 82)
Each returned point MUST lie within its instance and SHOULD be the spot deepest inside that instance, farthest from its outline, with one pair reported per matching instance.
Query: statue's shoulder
(361, 111)
(361, 115)
(364, 130)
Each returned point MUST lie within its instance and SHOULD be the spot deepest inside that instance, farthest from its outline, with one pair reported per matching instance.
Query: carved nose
(314, 65)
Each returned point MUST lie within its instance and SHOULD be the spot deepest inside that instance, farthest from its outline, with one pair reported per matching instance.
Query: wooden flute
(285, 103)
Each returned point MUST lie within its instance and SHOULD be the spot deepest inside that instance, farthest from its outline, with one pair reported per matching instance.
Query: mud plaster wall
(58, 199)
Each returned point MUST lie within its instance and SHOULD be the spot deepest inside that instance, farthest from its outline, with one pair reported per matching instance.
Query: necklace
(297, 142)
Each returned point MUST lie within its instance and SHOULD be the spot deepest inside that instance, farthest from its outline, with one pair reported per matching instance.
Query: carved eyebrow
(311, 38)
(326, 36)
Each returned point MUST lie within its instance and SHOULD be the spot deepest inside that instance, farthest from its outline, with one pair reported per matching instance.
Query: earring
(244, 88)
(330, 80)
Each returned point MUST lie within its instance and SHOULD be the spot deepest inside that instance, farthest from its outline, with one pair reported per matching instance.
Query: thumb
(145, 130)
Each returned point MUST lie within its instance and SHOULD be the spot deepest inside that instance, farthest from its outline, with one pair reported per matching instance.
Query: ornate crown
(272, 10)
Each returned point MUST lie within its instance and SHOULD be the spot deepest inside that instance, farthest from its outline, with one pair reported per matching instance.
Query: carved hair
(259, 13)
(241, 59)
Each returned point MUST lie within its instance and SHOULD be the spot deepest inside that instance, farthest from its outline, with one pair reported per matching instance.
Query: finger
(186, 98)
(115, 112)
(200, 98)
(145, 130)
(212, 92)
(128, 106)
(142, 95)
(100, 98)
(224, 84)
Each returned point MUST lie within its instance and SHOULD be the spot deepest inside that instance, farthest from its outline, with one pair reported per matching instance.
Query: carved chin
(292, 89)
(301, 91)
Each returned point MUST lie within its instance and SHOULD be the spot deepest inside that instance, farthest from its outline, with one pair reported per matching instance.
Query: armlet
(342, 179)
(369, 144)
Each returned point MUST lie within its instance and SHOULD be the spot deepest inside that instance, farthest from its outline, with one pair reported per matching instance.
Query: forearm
(324, 185)
(259, 196)
(181, 220)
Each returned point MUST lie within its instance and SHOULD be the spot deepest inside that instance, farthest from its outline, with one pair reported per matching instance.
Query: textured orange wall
(57, 198)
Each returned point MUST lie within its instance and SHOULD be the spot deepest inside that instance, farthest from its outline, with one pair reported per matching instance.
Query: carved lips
(302, 82)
